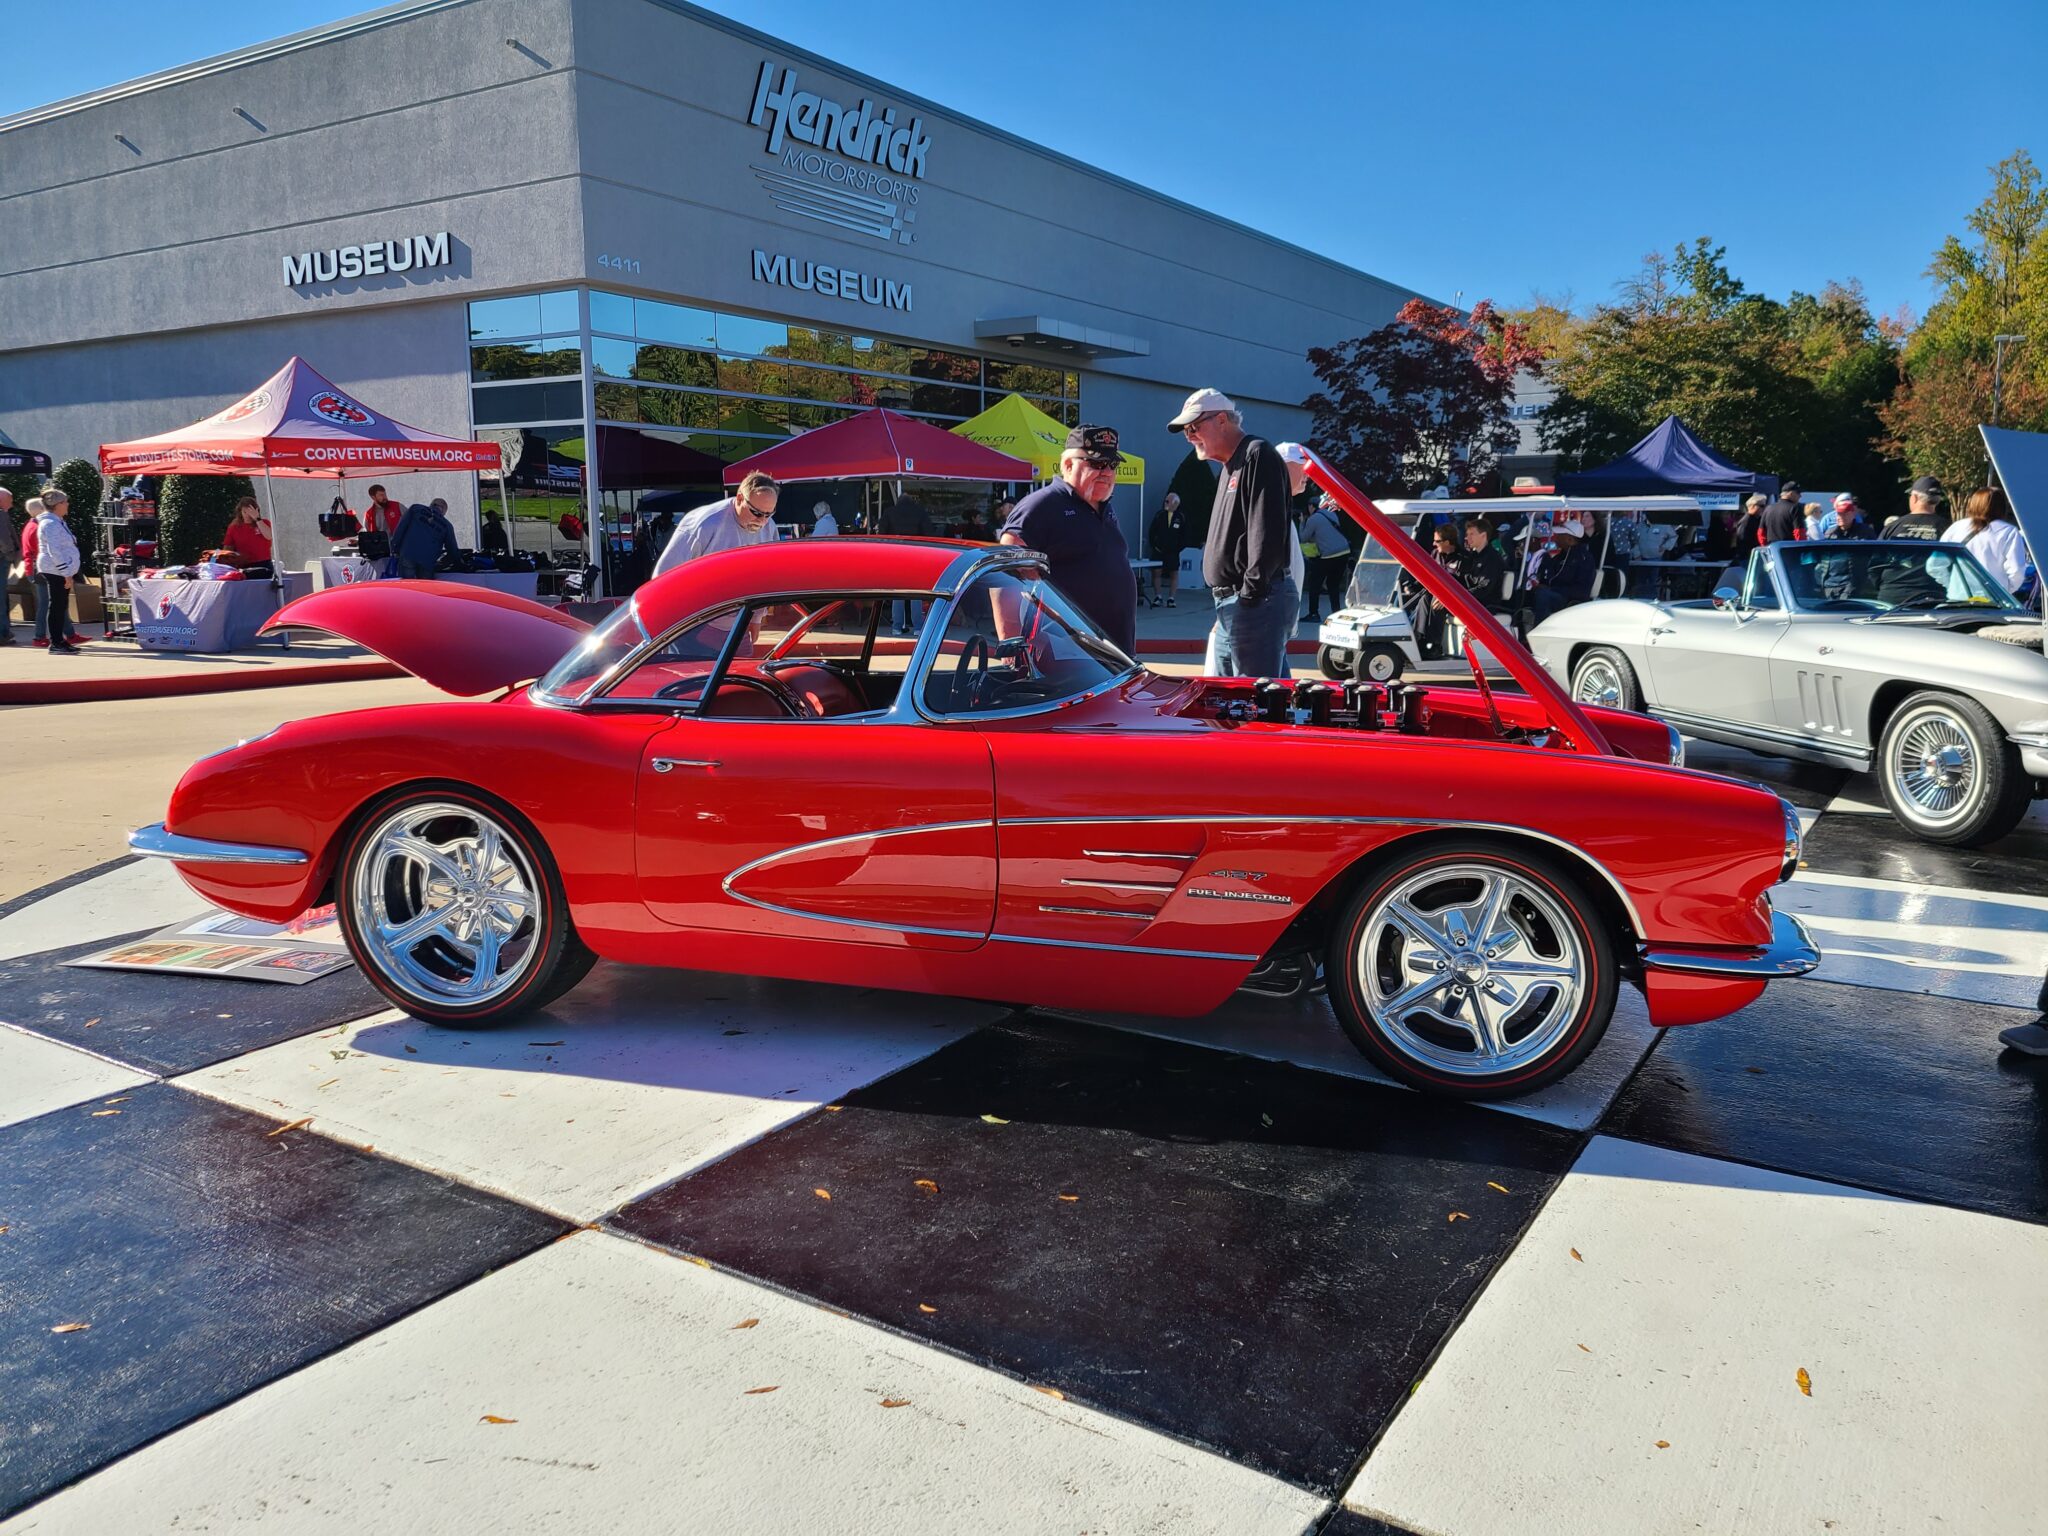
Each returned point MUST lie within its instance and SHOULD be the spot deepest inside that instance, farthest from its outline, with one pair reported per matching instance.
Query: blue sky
(1488, 149)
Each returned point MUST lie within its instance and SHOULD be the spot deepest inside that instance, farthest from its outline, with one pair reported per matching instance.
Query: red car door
(861, 832)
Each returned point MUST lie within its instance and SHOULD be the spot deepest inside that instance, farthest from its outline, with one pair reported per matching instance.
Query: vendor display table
(339, 571)
(524, 584)
(207, 615)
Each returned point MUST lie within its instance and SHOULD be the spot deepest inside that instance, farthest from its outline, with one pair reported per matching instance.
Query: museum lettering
(830, 281)
(861, 134)
(347, 262)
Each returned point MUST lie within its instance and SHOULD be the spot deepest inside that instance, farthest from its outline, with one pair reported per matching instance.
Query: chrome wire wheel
(1934, 766)
(1472, 970)
(1598, 683)
(447, 903)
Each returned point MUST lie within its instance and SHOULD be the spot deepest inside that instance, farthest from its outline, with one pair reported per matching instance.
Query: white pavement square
(1650, 1385)
(38, 1075)
(1305, 1031)
(147, 893)
(630, 1386)
(1974, 946)
(635, 1078)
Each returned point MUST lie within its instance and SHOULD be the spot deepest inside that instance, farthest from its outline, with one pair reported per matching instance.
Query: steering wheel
(783, 700)
(966, 691)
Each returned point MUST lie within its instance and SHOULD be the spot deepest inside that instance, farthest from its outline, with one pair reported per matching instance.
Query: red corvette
(739, 770)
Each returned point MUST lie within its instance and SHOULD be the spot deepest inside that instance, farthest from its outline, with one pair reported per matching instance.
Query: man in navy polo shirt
(1070, 523)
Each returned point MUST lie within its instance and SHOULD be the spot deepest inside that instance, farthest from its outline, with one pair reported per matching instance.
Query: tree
(194, 512)
(1399, 405)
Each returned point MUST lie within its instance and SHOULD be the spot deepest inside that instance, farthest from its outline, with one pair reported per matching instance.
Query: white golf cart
(1372, 636)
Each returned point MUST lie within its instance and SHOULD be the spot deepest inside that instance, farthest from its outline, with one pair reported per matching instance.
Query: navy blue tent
(1669, 462)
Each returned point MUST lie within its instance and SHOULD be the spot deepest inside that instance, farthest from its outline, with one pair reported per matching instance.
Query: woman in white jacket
(1987, 527)
(56, 564)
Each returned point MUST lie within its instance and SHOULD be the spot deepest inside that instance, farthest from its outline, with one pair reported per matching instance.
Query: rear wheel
(455, 911)
(1948, 773)
(1604, 676)
(1473, 969)
(1380, 663)
(1334, 661)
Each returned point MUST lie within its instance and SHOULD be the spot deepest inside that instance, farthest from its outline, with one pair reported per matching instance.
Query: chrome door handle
(1662, 629)
(664, 764)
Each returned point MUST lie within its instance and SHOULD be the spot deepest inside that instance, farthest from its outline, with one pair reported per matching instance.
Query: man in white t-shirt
(824, 525)
(745, 517)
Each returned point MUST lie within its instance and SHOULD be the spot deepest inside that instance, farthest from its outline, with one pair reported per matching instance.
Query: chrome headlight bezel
(1795, 841)
(1676, 756)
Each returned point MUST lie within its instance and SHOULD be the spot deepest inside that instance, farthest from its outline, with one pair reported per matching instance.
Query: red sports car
(741, 770)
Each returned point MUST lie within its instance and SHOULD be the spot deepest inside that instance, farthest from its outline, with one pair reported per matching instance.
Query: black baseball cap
(1789, 488)
(1927, 485)
(1096, 444)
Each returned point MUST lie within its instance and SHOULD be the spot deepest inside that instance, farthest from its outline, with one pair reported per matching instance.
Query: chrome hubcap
(1471, 970)
(1599, 683)
(1935, 766)
(445, 902)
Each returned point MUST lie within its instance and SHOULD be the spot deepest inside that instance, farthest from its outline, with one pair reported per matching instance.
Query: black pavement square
(1890, 1091)
(205, 1256)
(1849, 843)
(1245, 1254)
(171, 1024)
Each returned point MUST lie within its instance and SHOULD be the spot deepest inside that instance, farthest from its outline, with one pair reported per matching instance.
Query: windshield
(1012, 642)
(1830, 577)
(1376, 579)
(570, 680)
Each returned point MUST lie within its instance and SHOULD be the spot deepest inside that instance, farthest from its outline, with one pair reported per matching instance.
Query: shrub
(194, 511)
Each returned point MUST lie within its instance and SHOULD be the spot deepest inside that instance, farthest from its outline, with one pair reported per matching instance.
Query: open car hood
(464, 640)
(2021, 459)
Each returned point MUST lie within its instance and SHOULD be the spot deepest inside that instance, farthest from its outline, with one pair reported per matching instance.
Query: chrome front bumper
(1791, 952)
(153, 842)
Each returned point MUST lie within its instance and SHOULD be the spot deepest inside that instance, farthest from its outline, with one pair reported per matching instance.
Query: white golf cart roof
(1516, 506)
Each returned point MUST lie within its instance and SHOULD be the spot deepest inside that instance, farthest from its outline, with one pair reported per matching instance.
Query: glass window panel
(618, 402)
(952, 367)
(613, 358)
(828, 384)
(945, 400)
(511, 403)
(558, 311)
(676, 365)
(673, 323)
(491, 318)
(810, 345)
(745, 376)
(1025, 378)
(741, 333)
(675, 408)
(611, 312)
(754, 415)
(1073, 390)
(526, 359)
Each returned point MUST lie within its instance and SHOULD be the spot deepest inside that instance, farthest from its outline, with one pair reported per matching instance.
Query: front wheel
(1381, 663)
(1948, 773)
(454, 910)
(1473, 969)
(1604, 676)
(1334, 661)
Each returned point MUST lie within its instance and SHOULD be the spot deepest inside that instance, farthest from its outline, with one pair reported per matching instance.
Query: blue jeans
(412, 570)
(1251, 641)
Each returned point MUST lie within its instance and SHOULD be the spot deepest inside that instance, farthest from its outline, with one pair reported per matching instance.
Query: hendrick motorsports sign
(835, 162)
(345, 263)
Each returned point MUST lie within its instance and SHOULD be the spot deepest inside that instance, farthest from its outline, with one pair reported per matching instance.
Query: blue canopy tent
(1671, 461)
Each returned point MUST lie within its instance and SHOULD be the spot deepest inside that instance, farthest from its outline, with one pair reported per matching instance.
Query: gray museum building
(633, 240)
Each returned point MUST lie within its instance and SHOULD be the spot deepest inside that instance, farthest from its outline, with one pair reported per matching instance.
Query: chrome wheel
(1598, 683)
(1934, 766)
(446, 903)
(1471, 969)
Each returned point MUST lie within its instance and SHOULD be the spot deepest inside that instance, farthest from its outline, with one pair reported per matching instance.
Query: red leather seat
(820, 690)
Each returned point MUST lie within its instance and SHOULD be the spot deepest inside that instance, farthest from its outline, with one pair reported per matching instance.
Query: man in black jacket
(1246, 558)
(1784, 520)
(1480, 566)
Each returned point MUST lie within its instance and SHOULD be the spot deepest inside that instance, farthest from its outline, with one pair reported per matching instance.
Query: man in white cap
(1250, 541)
(1565, 575)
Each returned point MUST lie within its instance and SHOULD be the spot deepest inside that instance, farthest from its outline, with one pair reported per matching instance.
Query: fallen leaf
(412, 1050)
(1265, 1119)
(920, 1306)
(1805, 1382)
(1070, 1199)
(691, 1258)
(756, 1391)
(71, 1327)
(1588, 1351)
(328, 1084)
(96, 1114)
(90, 1022)
(121, 1100)
(1756, 1071)
(833, 1109)
(926, 1185)
(339, 1055)
(492, 1418)
(822, 1194)
(1663, 1445)
(543, 1042)
(735, 1032)
(745, 1322)
(993, 1120)
(1575, 1254)
(1051, 1392)
(3, 1231)
(223, 1015)
(895, 1402)
(1457, 1216)
(1501, 1187)
(299, 1124)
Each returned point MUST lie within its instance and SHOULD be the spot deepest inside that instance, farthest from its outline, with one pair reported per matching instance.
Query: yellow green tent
(1015, 426)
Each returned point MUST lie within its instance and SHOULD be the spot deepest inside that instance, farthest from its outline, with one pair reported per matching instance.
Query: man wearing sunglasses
(1246, 558)
(745, 517)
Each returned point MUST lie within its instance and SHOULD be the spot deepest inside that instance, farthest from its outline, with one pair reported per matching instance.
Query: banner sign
(182, 615)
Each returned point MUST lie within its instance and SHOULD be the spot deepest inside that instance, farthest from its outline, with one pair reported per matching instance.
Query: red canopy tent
(876, 443)
(299, 425)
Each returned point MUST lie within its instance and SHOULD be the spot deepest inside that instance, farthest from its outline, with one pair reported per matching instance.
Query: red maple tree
(1400, 406)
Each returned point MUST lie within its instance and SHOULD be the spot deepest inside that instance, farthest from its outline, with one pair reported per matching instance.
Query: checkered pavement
(692, 1252)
